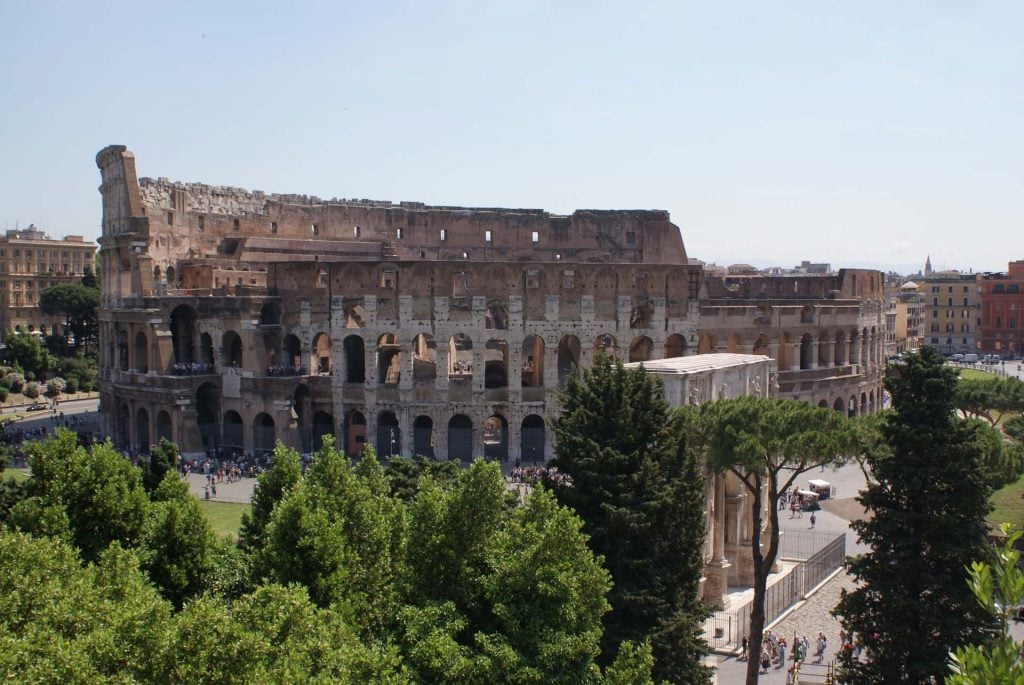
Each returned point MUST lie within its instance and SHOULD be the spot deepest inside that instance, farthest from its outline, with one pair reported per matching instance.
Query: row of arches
(868, 403)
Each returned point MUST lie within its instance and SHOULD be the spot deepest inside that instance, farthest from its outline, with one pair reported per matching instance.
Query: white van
(956, 357)
(991, 359)
(970, 358)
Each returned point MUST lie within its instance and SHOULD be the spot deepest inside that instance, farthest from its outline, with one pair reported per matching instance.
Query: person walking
(814, 519)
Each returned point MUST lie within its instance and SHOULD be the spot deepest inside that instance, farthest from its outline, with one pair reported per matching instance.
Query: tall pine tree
(640, 493)
(927, 503)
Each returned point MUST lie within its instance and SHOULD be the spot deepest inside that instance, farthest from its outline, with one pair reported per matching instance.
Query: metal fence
(817, 555)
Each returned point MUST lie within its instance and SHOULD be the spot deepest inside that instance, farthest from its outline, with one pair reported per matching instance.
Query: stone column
(441, 379)
(794, 359)
(814, 354)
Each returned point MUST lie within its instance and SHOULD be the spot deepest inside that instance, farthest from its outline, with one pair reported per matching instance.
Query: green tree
(77, 303)
(998, 588)
(404, 474)
(98, 489)
(927, 502)
(26, 352)
(32, 390)
(767, 444)
(163, 459)
(639, 489)
(177, 548)
(1002, 460)
(991, 399)
(282, 474)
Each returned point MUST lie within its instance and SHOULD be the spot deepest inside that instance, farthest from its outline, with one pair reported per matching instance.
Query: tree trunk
(760, 582)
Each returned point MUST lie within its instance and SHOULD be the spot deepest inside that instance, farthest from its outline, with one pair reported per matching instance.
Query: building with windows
(909, 305)
(31, 262)
(952, 312)
(230, 319)
(1002, 311)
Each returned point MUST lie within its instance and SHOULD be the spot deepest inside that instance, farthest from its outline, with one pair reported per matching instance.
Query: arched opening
(706, 344)
(205, 353)
(424, 358)
(320, 358)
(838, 405)
(271, 345)
(675, 346)
(864, 354)
(389, 360)
(423, 437)
(496, 364)
(851, 407)
(389, 436)
(183, 333)
(124, 427)
(806, 355)
(142, 442)
(568, 357)
(122, 350)
(141, 353)
(533, 362)
(323, 424)
(263, 434)
(871, 401)
(231, 350)
(170, 276)
(460, 438)
(355, 433)
(156, 273)
(840, 348)
(355, 362)
(496, 438)
(734, 344)
(460, 356)
(164, 430)
(824, 350)
(872, 346)
(270, 314)
(355, 315)
(605, 344)
(232, 434)
(208, 416)
(761, 346)
(302, 405)
(497, 316)
(292, 350)
(823, 404)
(531, 439)
(640, 349)
(863, 403)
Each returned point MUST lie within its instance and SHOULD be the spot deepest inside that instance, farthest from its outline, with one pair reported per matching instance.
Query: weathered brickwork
(233, 318)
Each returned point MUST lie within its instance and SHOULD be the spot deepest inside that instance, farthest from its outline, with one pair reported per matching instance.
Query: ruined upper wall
(865, 284)
(207, 215)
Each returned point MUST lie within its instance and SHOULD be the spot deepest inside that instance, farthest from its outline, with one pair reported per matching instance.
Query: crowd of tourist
(287, 370)
(192, 368)
(775, 651)
(530, 475)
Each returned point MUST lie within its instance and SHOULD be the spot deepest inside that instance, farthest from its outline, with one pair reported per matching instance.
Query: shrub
(54, 387)
(14, 381)
(4, 392)
(31, 390)
(72, 385)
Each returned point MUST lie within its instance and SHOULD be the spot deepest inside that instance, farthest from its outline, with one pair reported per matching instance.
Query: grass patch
(17, 475)
(975, 375)
(225, 517)
(1008, 503)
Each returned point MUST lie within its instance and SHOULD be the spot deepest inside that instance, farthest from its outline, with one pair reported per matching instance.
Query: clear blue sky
(855, 132)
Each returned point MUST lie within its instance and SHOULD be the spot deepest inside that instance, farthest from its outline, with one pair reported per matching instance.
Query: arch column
(370, 367)
(794, 357)
(478, 369)
(550, 366)
(405, 420)
(853, 356)
(586, 354)
(514, 372)
(441, 377)
(814, 355)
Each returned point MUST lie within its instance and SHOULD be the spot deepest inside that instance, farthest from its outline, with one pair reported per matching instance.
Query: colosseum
(231, 319)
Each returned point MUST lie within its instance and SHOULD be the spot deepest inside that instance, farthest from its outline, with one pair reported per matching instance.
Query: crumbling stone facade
(232, 318)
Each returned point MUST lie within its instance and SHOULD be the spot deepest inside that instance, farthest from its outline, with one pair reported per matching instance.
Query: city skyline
(874, 135)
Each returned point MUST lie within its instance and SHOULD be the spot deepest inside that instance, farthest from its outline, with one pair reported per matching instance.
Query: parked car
(956, 357)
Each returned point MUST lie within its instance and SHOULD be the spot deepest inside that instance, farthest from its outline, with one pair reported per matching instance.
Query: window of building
(568, 280)
(950, 288)
(314, 229)
(17, 253)
(1013, 322)
(465, 255)
(950, 303)
(460, 284)
(356, 231)
(388, 279)
(935, 288)
(533, 278)
(558, 256)
(535, 237)
(273, 227)
(202, 223)
(488, 237)
(170, 218)
(28, 254)
(399, 233)
(444, 234)
(935, 302)
(236, 225)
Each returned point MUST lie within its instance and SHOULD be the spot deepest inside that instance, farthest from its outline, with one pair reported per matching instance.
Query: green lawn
(975, 375)
(1009, 505)
(225, 517)
(17, 475)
